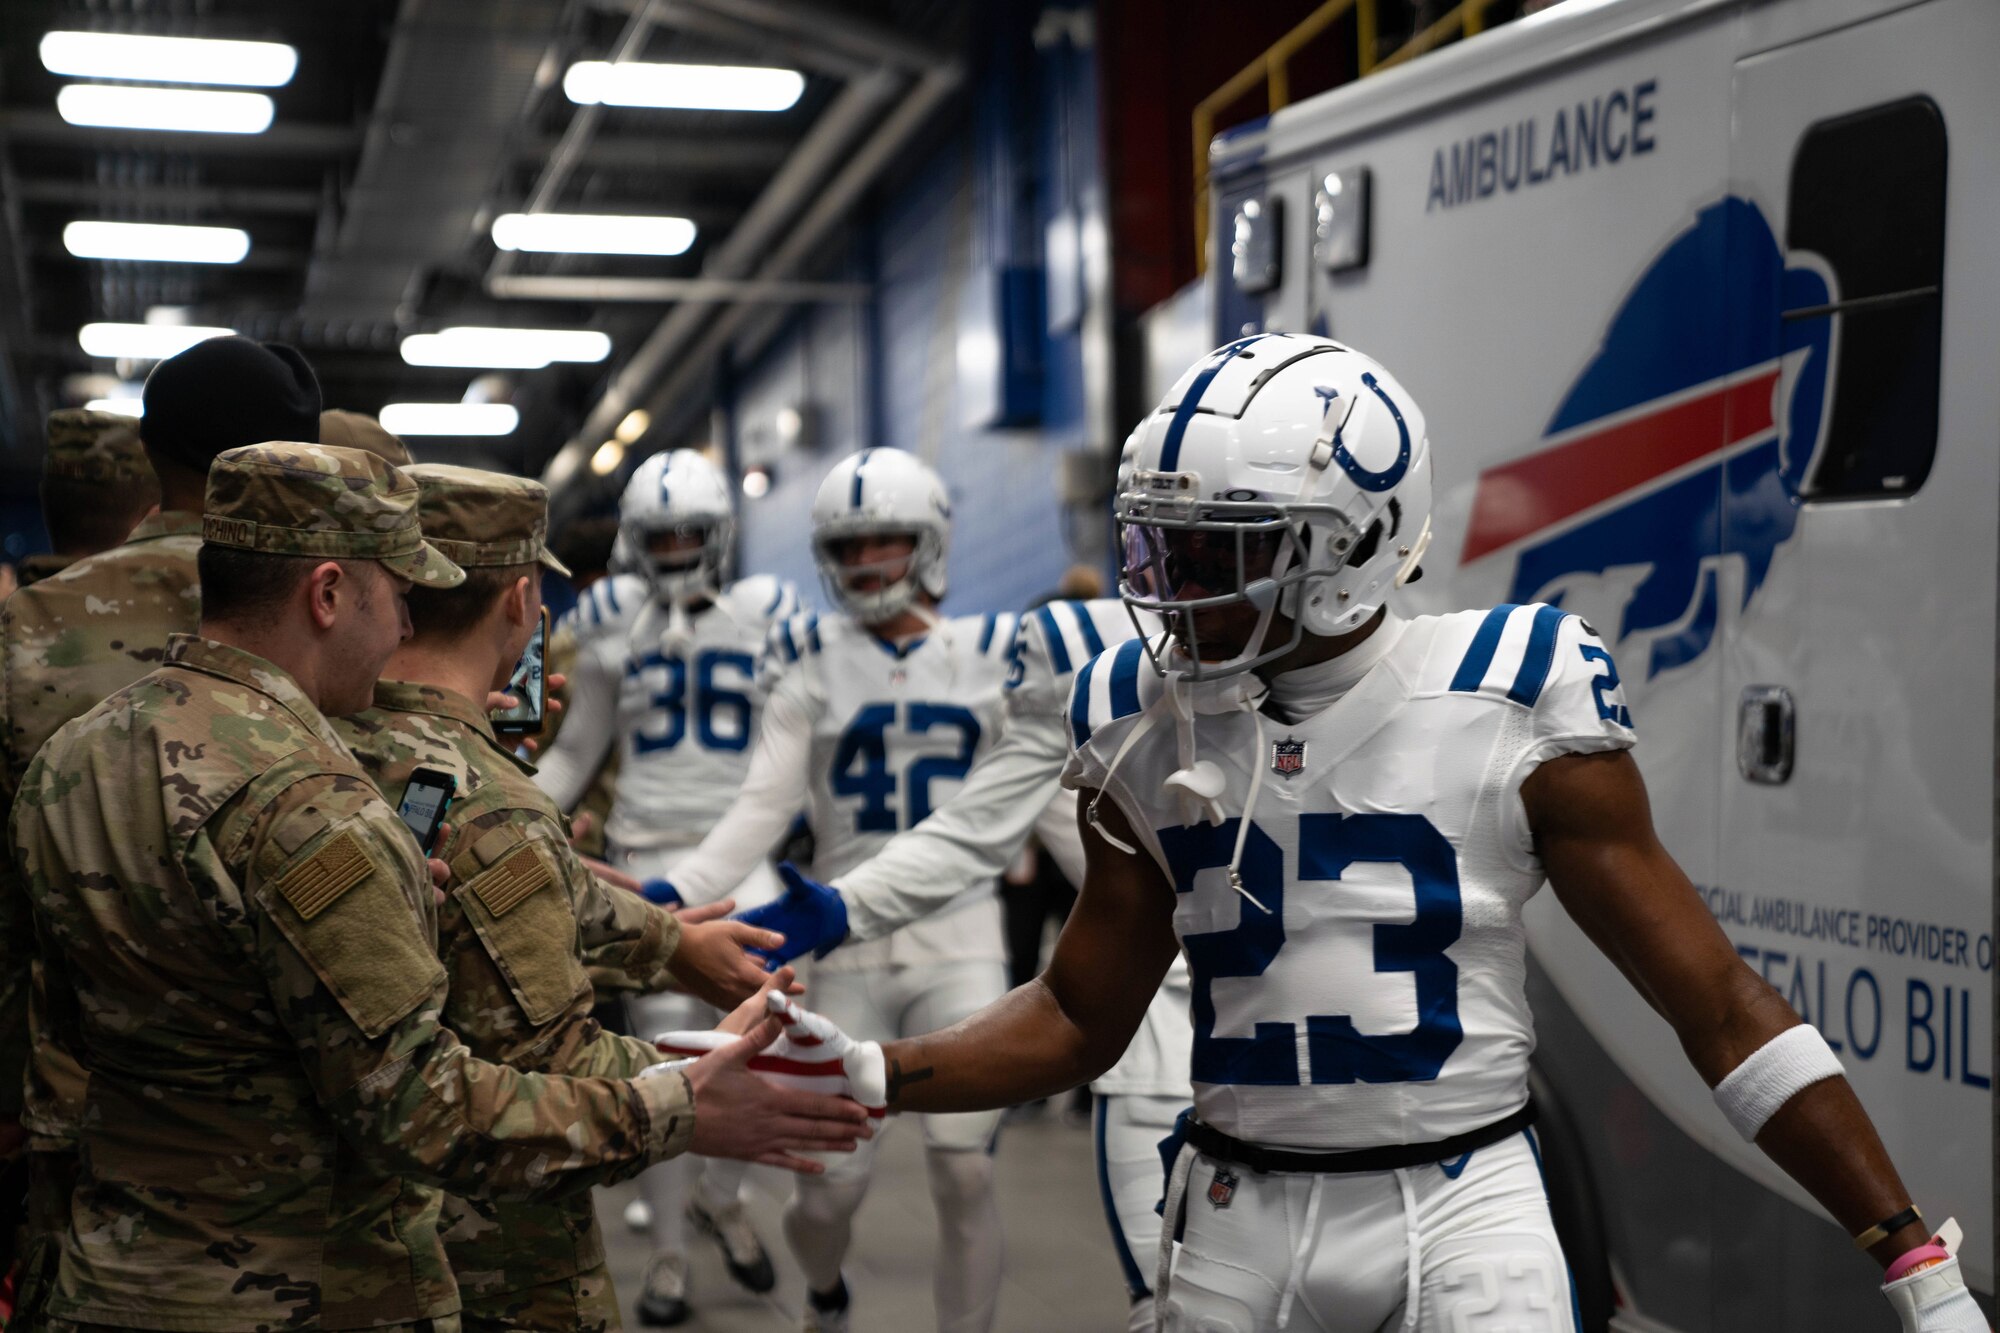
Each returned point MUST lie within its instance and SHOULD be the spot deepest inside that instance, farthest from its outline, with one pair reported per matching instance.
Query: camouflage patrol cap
(316, 499)
(95, 446)
(485, 518)
(353, 430)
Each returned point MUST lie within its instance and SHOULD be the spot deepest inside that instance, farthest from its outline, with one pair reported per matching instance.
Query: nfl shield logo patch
(1288, 756)
(1223, 1188)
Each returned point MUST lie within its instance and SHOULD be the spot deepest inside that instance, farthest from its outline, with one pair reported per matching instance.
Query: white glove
(1934, 1299)
(862, 1062)
(797, 1059)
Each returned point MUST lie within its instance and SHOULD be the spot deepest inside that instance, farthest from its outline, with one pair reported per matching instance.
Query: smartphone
(529, 684)
(426, 796)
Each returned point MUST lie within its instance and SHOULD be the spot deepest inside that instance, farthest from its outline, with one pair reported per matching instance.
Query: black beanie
(224, 393)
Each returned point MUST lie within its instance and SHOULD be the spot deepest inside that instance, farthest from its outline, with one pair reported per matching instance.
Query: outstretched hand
(715, 961)
(738, 1114)
(810, 916)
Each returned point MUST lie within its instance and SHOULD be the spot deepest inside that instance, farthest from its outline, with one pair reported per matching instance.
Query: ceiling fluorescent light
(143, 342)
(112, 106)
(449, 419)
(636, 423)
(117, 407)
(504, 349)
(159, 241)
(592, 234)
(124, 55)
(687, 87)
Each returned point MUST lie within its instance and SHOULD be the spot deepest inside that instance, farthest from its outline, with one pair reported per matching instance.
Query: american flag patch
(507, 885)
(315, 884)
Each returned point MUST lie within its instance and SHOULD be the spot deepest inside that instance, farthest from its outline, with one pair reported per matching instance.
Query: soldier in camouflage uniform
(519, 993)
(240, 938)
(96, 486)
(77, 637)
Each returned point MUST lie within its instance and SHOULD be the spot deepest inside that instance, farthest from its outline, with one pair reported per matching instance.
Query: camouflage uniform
(90, 446)
(240, 937)
(67, 642)
(518, 989)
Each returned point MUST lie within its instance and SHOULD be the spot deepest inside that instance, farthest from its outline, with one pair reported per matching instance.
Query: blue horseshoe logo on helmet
(1388, 476)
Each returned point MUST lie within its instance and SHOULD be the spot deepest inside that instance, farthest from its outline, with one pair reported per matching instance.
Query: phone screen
(527, 684)
(425, 798)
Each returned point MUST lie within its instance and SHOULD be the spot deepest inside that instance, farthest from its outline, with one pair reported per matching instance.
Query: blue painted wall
(915, 370)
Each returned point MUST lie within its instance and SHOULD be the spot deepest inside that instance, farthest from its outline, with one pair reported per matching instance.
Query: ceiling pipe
(857, 37)
(930, 94)
(831, 139)
(582, 128)
(557, 288)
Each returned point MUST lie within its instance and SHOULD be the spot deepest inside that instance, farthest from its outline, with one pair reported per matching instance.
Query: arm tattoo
(900, 1078)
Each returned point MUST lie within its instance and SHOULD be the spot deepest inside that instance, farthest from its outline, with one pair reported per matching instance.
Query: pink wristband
(1911, 1259)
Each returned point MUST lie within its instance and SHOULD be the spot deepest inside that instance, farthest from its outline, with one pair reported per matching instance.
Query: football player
(1015, 790)
(1341, 813)
(666, 663)
(873, 718)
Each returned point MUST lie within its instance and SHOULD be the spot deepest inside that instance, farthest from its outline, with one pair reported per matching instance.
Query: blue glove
(661, 891)
(810, 916)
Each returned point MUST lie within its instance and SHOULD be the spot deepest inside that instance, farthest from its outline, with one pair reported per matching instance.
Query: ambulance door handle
(1765, 728)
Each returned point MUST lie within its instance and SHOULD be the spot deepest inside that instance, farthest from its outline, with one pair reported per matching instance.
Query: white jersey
(1379, 1000)
(682, 703)
(1011, 792)
(870, 738)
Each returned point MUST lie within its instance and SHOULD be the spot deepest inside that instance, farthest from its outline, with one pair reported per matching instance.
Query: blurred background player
(873, 718)
(1012, 793)
(96, 486)
(666, 669)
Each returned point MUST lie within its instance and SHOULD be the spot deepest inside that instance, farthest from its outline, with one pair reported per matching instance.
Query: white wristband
(1773, 1074)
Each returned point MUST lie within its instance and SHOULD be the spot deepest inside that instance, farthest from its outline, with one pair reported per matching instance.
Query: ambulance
(1701, 299)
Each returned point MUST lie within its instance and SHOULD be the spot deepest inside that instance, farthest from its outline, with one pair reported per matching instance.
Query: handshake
(811, 1054)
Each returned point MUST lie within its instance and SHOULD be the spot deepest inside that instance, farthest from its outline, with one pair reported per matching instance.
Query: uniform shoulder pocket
(517, 902)
(343, 903)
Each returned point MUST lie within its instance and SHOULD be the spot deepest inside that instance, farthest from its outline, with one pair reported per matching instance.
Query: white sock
(721, 1182)
(665, 1187)
(967, 1283)
(819, 1224)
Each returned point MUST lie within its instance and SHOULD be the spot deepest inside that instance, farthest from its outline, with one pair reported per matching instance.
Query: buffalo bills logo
(1678, 456)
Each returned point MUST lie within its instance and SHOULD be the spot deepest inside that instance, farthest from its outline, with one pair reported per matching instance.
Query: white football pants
(1465, 1246)
(1130, 1180)
(666, 1187)
(907, 1002)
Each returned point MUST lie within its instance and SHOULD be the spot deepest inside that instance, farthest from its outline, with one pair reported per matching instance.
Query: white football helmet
(1285, 471)
(677, 492)
(880, 492)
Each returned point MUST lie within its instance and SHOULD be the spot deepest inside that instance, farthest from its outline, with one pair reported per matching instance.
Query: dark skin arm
(1593, 828)
(1070, 1024)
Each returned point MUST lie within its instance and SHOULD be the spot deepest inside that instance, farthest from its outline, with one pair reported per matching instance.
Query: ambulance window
(1867, 196)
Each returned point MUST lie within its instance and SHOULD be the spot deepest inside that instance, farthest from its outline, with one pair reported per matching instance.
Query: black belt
(1212, 1142)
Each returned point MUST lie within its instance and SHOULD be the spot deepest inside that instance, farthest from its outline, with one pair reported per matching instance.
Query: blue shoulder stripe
(777, 600)
(812, 632)
(986, 631)
(1479, 657)
(611, 594)
(1053, 636)
(1541, 655)
(1125, 677)
(1093, 642)
(1079, 706)
(787, 643)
